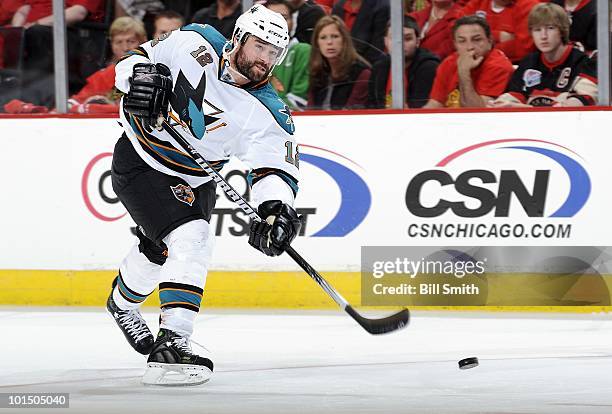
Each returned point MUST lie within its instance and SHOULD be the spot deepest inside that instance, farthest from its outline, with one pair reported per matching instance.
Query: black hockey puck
(468, 363)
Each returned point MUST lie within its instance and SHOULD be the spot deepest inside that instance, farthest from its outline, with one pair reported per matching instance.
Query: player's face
(165, 25)
(256, 58)
(330, 42)
(283, 11)
(547, 38)
(472, 39)
(411, 42)
(122, 43)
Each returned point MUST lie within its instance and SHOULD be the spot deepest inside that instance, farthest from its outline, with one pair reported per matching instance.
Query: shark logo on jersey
(189, 103)
(286, 112)
(183, 193)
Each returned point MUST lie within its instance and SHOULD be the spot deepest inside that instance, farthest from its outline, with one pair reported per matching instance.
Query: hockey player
(219, 91)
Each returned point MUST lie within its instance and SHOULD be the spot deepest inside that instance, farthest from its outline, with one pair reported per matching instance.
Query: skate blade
(175, 374)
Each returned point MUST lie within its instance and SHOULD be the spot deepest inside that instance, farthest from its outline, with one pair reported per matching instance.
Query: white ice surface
(322, 363)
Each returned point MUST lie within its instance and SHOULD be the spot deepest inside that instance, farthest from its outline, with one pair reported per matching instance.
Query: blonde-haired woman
(98, 95)
(339, 76)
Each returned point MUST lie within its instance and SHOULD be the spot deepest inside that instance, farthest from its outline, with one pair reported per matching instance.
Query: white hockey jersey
(250, 122)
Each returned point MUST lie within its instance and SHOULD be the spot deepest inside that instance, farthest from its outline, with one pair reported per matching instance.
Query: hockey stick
(373, 326)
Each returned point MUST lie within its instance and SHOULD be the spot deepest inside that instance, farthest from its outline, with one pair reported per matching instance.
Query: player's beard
(245, 67)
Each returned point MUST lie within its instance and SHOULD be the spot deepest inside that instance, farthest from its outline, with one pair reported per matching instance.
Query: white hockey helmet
(267, 25)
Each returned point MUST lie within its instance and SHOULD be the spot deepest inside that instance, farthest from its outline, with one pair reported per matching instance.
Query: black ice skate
(172, 362)
(132, 325)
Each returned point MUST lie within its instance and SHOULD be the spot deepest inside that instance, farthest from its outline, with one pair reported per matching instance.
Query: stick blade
(381, 326)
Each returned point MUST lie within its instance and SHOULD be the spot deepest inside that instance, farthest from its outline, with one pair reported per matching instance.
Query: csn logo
(339, 172)
(493, 188)
(355, 196)
(97, 192)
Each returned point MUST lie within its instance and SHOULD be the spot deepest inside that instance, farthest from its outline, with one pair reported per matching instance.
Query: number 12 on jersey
(291, 158)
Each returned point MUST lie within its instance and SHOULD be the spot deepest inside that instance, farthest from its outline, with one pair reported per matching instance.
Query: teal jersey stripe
(126, 292)
(171, 295)
(277, 107)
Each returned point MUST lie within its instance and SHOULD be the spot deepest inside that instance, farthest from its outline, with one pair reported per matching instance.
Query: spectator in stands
(476, 73)
(557, 74)
(367, 21)
(99, 94)
(167, 21)
(26, 13)
(419, 65)
(583, 22)
(221, 15)
(435, 23)
(339, 76)
(305, 18)
(508, 21)
(38, 62)
(41, 12)
(290, 78)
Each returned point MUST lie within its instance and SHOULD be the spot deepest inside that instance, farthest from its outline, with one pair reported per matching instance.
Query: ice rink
(314, 362)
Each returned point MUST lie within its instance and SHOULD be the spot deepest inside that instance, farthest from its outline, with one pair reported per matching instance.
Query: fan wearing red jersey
(475, 74)
(558, 74)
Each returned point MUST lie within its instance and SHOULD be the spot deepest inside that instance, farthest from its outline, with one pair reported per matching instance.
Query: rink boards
(461, 179)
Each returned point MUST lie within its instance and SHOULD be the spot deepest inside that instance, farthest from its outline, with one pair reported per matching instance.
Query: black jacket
(420, 76)
(340, 91)
(368, 32)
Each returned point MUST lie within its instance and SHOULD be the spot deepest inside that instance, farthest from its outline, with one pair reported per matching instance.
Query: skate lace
(134, 324)
(182, 343)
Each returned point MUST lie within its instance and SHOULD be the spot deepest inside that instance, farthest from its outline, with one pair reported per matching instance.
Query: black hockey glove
(149, 95)
(280, 226)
